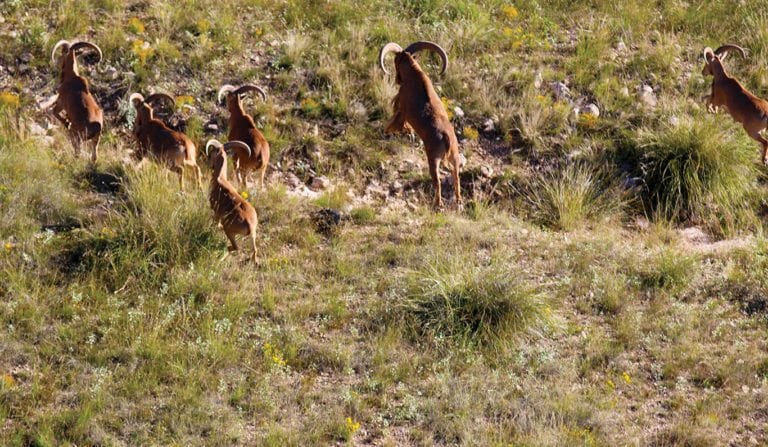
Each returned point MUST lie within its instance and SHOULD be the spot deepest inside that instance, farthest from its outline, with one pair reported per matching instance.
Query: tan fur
(74, 105)
(166, 146)
(417, 106)
(242, 128)
(741, 104)
(235, 214)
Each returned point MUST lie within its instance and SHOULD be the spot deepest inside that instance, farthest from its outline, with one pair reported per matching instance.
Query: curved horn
(237, 144)
(251, 88)
(212, 142)
(78, 45)
(707, 51)
(226, 88)
(725, 49)
(155, 96)
(424, 45)
(136, 97)
(386, 49)
(56, 47)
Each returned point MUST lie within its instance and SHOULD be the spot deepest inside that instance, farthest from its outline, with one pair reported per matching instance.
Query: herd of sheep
(417, 108)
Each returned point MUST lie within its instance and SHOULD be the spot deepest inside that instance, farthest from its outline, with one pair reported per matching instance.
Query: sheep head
(68, 59)
(234, 94)
(217, 157)
(405, 61)
(713, 59)
(145, 109)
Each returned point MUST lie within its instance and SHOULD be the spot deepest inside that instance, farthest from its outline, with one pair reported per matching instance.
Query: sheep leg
(255, 250)
(434, 172)
(455, 162)
(760, 139)
(396, 124)
(95, 150)
(233, 244)
(262, 173)
(196, 171)
(180, 173)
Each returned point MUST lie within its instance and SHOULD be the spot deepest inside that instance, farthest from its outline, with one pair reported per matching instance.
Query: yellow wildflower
(471, 133)
(8, 381)
(135, 25)
(258, 32)
(611, 385)
(8, 246)
(626, 378)
(244, 195)
(352, 425)
(9, 99)
(142, 50)
(510, 12)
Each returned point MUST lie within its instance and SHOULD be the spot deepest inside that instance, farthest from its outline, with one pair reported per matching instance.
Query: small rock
(538, 80)
(624, 91)
(397, 187)
(647, 96)
(320, 183)
(590, 109)
(562, 92)
(486, 171)
(212, 127)
(315, 130)
(462, 160)
(37, 130)
(489, 125)
(458, 112)
(621, 46)
(674, 120)
(25, 57)
(112, 73)
(292, 181)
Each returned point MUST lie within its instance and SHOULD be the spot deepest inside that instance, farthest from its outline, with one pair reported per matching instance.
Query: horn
(134, 97)
(56, 47)
(424, 45)
(225, 89)
(386, 49)
(78, 45)
(212, 142)
(168, 98)
(237, 144)
(730, 47)
(251, 88)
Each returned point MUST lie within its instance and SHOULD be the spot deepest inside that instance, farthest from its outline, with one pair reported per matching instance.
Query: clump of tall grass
(469, 305)
(567, 198)
(696, 170)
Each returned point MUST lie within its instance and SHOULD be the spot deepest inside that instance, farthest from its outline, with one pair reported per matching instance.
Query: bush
(696, 171)
(565, 199)
(469, 305)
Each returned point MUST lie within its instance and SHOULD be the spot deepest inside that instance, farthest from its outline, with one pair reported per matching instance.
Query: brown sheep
(167, 146)
(242, 128)
(82, 115)
(742, 105)
(418, 106)
(230, 210)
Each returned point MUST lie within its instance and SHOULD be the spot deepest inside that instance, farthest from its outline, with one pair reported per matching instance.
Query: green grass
(561, 306)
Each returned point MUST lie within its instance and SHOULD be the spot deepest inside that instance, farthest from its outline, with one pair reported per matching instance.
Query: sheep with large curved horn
(167, 146)
(75, 106)
(417, 106)
(743, 106)
(242, 127)
(235, 214)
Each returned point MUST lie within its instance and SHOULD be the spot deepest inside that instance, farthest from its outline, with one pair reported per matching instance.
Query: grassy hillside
(605, 284)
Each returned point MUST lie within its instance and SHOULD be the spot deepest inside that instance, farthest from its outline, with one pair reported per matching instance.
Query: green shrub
(470, 305)
(565, 199)
(698, 171)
